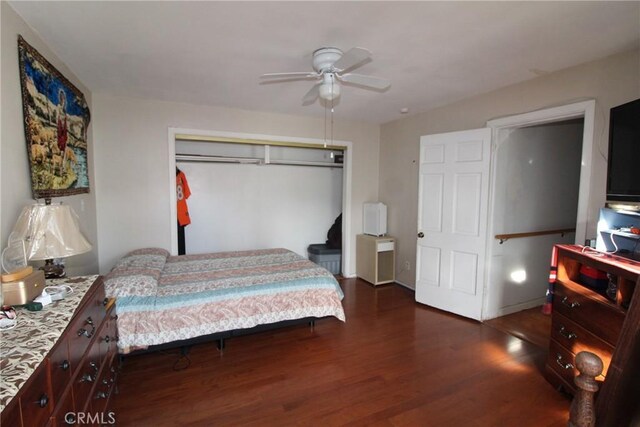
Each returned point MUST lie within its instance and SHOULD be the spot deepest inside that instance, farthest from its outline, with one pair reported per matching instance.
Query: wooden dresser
(585, 319)
(58, 364)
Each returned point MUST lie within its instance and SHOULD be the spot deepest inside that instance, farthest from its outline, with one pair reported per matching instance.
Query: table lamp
(50, 231)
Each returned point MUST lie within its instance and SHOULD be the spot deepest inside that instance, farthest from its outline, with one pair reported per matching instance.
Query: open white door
(452, 220)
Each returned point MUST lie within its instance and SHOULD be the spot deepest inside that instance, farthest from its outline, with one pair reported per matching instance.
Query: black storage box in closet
(321, 254)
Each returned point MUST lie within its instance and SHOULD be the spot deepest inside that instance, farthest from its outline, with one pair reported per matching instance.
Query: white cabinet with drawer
(375, 258)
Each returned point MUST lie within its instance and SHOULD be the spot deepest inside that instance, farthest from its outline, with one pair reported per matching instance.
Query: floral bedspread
(162, 298)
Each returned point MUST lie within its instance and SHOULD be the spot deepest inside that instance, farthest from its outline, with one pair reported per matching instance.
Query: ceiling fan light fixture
(329, 91)
(330, 88)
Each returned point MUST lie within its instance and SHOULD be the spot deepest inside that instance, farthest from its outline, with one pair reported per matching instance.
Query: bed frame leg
(312, 324)
(220, 344)
(183, 361)
(184, 350)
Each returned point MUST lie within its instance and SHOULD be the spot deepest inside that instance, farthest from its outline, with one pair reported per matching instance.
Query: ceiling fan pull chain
(332, 78)
(325, 126)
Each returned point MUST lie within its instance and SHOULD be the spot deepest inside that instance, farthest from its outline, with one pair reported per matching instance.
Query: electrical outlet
(407, 266)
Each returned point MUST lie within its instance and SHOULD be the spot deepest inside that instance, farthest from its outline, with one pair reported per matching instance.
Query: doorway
(557, 195)
(535, 202)
(497, 296)
(541, 176)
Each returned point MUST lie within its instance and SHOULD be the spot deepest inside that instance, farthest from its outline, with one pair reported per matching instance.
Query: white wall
(240, 207)
(537, 181)
(132, 164)
(15, 186)
(610, 81)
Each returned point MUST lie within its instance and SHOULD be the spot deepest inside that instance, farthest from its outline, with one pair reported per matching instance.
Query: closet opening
(250, 192)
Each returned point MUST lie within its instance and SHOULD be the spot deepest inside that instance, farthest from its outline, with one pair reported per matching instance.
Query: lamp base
(53, 271)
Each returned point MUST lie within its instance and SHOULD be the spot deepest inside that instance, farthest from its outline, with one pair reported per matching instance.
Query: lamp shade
(50, 231)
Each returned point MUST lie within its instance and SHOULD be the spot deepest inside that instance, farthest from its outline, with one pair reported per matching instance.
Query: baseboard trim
(518, 307)
(405, 285)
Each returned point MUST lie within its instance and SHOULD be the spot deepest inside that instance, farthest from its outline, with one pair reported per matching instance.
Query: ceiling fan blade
(298, 75)
(351, 58)
(366, 81)
(312, 95)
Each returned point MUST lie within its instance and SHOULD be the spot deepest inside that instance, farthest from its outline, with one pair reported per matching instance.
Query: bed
(163, 299)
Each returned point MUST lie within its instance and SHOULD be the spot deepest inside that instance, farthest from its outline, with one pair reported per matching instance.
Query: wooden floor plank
(393, 363)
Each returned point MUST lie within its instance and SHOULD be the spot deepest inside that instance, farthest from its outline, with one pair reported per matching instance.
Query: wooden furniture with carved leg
(59, 364)
(586, 319)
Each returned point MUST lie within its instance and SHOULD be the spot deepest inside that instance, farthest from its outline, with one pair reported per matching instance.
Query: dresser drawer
(107, 340)
(576, 339)
(105, 388)
(85, 325)
(561, 361)
(594, 315)
(60, 368)
(65, 414)
(36, 404)
(87, 376)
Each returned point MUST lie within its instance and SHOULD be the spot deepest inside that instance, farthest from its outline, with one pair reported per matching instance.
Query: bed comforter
(163, 298)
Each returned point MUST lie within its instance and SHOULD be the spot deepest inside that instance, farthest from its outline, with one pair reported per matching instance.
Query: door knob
(421, 234)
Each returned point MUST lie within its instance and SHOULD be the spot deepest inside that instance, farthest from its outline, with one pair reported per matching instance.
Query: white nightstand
(375, 258)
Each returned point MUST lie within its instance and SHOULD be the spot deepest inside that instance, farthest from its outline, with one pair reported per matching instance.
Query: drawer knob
(70, 418)
(86, 378)
(563, 365)
(105, 302)
(43, 401)
(94, 365)
(566, 302)
(107, 339)
(568, 335)
(64, 365)
(85, 332)
(101, 395)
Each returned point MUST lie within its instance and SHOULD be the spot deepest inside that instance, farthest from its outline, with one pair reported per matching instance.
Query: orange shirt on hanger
(182, 194)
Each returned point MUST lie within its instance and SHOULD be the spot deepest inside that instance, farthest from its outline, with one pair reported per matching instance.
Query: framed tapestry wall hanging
(56, 118)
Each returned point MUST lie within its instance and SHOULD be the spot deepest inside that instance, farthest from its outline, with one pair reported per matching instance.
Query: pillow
(136, 274)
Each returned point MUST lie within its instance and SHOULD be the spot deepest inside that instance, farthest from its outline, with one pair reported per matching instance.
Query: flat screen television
(623, 173)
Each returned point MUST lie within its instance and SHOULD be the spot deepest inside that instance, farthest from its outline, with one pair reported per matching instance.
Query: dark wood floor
(531, 325)
(393, 363)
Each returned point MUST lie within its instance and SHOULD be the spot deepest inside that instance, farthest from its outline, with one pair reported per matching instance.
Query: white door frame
(347, 239)
(503, 126)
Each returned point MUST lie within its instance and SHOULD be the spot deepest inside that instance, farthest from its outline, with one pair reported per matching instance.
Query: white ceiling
(434, 53)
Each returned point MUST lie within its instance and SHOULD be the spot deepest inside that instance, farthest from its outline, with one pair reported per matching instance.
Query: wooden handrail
(504, 237)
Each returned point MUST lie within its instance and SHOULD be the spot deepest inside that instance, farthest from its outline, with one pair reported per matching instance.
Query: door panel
(466, 208)
(432, 218)
(452, 218)
(431, 266)
(464, 269)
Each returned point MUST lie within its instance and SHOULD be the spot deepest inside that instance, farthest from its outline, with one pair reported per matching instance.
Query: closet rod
(199, 158)
(305, 163)
(202, 158)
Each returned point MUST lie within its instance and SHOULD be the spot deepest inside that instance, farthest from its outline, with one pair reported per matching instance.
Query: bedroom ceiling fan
(332, 68)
